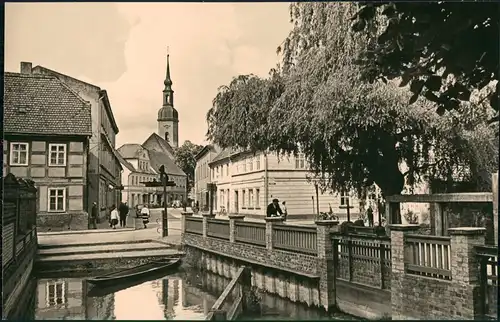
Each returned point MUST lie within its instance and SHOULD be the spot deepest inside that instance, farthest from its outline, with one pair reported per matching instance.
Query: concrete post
(465, 269)
(232, 225)
(398, 231)
(494, 183)
(206, 217)
(269, 230)
(326, 263)
(183, 221)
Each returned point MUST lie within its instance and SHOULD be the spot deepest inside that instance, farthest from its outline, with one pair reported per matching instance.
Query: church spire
(168, 80)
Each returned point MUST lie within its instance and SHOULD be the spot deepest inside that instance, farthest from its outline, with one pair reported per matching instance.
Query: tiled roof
(35, 104)
(124, 162)
(129, 151)
(158, 158)
(162, 142)
(225, 153)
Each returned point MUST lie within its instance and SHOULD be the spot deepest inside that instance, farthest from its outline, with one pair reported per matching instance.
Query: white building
(247, 183)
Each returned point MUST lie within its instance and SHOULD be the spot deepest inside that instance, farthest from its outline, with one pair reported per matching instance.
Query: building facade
(247, 183)
(46, 139)
(104, 168)
(140, 166)
(202, 175)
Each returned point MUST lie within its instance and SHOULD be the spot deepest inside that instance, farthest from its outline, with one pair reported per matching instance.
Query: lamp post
(164, 183)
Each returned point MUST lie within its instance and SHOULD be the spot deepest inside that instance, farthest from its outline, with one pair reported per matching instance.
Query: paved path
(113, 236)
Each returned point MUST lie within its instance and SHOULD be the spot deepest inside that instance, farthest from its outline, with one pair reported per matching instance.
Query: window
(244, 199)
(250, 164)
(257, 198)
(57, 154)
(55, 293)
(244, 166)
(227, 170)
(19, 154)
(257, 163)
(345, 200)
(250, 198)
(300, 162)
(57, 199)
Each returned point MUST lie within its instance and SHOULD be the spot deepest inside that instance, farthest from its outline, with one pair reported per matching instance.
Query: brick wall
(288, 260)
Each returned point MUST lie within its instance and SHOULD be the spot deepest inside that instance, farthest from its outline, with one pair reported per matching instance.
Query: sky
(122, 47)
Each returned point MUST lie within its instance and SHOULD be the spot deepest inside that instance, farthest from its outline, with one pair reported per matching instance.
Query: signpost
(164, 183)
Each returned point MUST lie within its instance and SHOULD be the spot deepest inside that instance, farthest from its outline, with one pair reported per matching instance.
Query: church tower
(168, 118)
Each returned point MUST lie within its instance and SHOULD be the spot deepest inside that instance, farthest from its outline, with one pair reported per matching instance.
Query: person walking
(123, 210)
(284, 209)
(274, 208)
(145, 215)
(94, 212)
(114, 217)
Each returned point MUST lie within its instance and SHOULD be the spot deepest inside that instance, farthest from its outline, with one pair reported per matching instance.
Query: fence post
(206, 217)
(269, 231)
(398, 231)
(326, 262)
(382, 266)
(184, 214)
(232, 225)
(465, 269)
(494, 184)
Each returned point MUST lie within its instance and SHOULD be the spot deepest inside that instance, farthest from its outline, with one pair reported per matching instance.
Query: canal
(185, 295)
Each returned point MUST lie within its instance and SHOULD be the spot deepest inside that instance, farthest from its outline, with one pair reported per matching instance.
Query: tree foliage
(185, 159)
(446, 51)
(353, 133)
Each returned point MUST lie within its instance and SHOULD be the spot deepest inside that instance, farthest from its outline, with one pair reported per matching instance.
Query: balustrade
(218, 228)
(194, 225)
(428, 256)
(295, 238)
(250, 233)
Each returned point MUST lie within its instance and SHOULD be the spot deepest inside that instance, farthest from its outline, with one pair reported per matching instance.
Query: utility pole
(187, 190)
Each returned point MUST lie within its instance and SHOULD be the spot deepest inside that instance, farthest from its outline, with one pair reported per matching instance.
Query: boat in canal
(136, 274)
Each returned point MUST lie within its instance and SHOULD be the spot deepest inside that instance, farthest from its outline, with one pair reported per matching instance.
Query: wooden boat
(138, 272)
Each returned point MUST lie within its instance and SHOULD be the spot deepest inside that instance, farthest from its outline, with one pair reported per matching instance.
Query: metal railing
(488, 280)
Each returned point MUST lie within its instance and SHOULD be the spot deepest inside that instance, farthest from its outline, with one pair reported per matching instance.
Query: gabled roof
(129, 151)
(102, 92)
(124, 162)
(167, 148)
(158, 159)
(39, 104)
(225, 153)
(207, 148)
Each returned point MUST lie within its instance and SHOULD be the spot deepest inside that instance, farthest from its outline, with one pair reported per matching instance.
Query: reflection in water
(169, 298)
(183, 296)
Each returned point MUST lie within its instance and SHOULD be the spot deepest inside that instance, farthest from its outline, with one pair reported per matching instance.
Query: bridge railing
(218, 228)
(194, 225)
(298, 239)
(248, 232)
(428, 256)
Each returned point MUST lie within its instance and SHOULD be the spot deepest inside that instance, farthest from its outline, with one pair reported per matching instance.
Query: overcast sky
(121, 47)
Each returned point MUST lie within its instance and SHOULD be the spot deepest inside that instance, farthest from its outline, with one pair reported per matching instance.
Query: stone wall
(63, 221)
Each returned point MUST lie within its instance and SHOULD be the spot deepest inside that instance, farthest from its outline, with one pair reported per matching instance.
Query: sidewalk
(153, 232)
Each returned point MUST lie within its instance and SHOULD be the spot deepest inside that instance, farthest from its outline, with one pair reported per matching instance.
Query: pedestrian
(145, 215)
(93, 215)
(123, 210)
(369, 215)
(274, 208)
(284, 209)
(114, 216)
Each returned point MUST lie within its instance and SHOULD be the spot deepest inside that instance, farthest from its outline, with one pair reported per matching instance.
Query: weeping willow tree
(353, 133)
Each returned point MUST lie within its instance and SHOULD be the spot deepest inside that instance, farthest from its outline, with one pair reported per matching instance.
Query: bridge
(409, 275)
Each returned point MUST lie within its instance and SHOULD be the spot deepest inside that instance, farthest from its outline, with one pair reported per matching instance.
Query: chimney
(26, 68)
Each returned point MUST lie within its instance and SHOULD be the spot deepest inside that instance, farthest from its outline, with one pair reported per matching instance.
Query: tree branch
(424, 167)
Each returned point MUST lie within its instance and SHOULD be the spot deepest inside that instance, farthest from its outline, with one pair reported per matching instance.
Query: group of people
(118, 215)
(275, 209)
